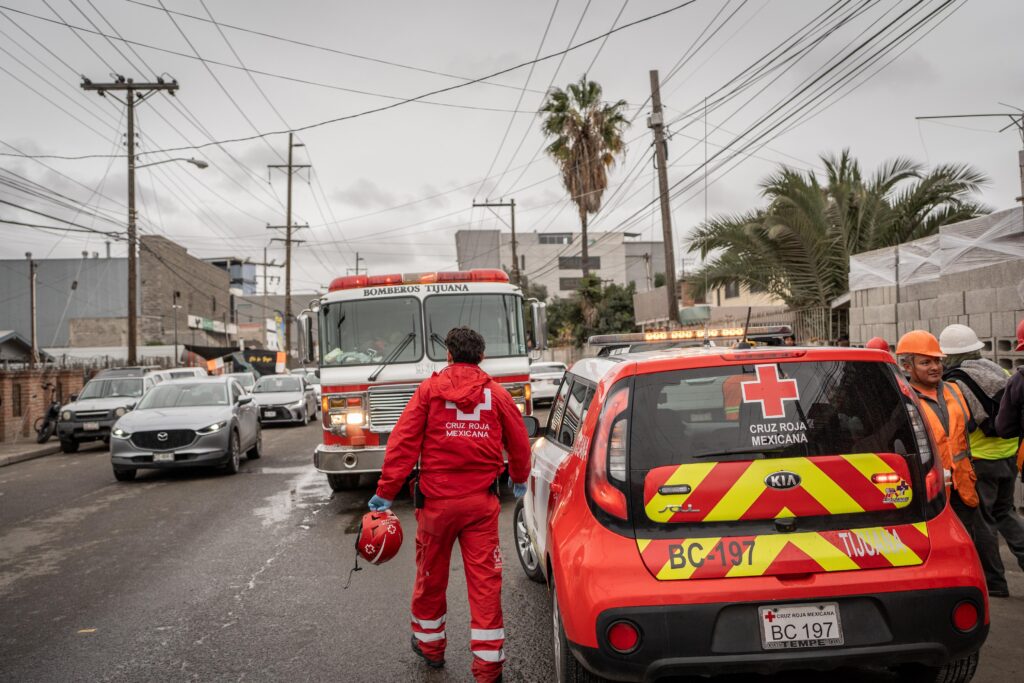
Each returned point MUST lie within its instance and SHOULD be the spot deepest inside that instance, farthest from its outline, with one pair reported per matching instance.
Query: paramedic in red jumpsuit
(457, 422)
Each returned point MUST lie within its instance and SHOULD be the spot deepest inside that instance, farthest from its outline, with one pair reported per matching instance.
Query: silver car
(91, 413)
(285, 398)
(200, 422)
(544, 381)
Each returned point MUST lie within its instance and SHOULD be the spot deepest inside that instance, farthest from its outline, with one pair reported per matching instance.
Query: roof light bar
(475, 275)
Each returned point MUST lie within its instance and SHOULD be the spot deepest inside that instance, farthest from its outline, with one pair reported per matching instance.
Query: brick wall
(167, 267)
(34, 401)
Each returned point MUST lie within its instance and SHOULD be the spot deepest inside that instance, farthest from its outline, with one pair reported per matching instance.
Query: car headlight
(118, 412)
(119, 433)
(298, 404)
(215, 427)
(66, 415)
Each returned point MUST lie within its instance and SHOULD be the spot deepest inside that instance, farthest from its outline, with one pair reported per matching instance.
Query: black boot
(432, 663)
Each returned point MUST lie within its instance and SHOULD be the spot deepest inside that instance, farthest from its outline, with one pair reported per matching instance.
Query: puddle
(304, 491)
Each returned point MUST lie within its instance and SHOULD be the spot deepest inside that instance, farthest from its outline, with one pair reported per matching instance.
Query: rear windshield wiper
(737, 451)
(392, 356)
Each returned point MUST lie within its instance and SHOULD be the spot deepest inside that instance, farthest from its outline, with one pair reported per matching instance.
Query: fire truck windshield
(498, 317)
(366, 331)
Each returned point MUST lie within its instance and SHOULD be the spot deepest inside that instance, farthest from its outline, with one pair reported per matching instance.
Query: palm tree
(587, 136)
(798, 247)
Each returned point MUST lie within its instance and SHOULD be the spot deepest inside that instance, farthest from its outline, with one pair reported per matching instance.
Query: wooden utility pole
(135, 93)
(656, 122)
(357, 268)
(291, 168)
(511, 204)
(266, 279)
(32, 268)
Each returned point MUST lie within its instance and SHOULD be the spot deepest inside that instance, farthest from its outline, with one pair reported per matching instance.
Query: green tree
(587, 136)
(593, 309)
(798, 247)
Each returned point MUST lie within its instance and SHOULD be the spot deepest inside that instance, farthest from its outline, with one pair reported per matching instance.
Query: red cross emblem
(769, 617)
(770, 391)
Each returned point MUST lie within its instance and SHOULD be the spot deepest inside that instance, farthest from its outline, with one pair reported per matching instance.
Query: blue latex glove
(519, 490)
(377, 503)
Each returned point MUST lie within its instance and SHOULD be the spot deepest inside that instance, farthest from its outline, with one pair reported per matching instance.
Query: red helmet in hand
(380, 536)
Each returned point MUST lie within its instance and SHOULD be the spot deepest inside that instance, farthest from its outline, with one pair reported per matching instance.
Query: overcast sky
(397, 184)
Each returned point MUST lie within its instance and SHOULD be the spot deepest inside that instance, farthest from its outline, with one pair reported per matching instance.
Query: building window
(17, 410)
(555, 238)
(569, 283)
(732, 290)
(576, 262)
(213, 303)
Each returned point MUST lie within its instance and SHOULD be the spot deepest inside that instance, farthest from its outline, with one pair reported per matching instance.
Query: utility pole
(291, 167)
(656, 122)
(1016, 120)
(135, 93)
(175, 306)
(511, 204)
(266, 278)
(357, 269)
(32, 267)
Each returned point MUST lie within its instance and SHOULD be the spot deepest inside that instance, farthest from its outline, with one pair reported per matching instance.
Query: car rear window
(767, 410)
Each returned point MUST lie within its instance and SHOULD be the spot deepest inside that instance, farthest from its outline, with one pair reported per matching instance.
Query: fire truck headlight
(337, 419)
(353, 417)
(522, 408)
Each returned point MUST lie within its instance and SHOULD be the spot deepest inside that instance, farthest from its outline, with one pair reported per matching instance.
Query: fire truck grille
(387, 404)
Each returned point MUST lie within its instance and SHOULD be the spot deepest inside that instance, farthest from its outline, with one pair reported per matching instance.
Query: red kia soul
(707, 511)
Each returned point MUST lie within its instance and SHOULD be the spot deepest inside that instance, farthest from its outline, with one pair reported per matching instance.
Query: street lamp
(133, 321)
(175, 306)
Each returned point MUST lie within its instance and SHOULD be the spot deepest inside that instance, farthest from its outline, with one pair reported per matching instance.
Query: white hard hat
(956, 339)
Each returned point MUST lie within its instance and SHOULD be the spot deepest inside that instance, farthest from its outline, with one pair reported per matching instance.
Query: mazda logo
(161, 436)
(782, 480)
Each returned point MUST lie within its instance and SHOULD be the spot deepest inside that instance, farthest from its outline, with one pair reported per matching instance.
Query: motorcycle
(46, 426)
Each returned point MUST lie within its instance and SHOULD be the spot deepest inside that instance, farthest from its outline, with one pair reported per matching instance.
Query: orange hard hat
(877, 343)
(1020, 336)
(921, 343)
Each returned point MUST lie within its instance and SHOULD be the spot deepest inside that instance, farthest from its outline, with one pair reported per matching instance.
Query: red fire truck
(381, 335)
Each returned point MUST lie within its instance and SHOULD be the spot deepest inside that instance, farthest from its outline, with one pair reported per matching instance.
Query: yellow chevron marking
(706, 545)
(922, 527)
(691, 475)
(766, 549)
(831, 558)
(751, 485)
(642, 543)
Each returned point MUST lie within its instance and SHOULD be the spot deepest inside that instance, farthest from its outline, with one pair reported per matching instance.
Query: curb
(6, 460)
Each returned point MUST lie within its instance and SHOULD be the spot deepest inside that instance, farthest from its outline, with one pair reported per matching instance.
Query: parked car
(246, 379)
(92, 412)
(177, 373)
(544, 381)
(704, 511)
(198, 422)
(285, 398)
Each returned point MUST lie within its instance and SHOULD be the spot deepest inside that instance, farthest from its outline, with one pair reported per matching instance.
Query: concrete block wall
(990, 300)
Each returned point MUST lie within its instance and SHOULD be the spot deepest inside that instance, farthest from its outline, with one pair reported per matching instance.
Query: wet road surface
(197, 575)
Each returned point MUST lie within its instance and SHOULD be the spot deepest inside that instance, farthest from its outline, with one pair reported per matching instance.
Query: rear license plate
(270, 413)
(91, 426)
(797, 626)
(163, 457)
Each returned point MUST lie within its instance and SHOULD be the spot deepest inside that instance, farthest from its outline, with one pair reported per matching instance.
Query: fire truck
(381, 335)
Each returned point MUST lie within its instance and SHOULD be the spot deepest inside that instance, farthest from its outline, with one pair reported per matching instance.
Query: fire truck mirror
(539, 310)
(306, 337)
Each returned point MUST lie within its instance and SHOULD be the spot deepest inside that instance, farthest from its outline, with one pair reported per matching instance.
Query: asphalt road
(203, 576)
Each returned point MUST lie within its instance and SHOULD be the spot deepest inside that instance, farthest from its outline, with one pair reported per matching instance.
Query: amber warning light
(672, 335)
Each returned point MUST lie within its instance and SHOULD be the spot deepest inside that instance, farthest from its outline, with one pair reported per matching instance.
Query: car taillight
(623, 636)
(965, 616)
(607, 463)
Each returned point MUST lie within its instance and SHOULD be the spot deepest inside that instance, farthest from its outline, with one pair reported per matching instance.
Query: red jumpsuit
(458, 421)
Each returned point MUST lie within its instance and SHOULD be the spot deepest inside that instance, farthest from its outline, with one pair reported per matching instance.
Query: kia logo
(782, 480)
(162, 436)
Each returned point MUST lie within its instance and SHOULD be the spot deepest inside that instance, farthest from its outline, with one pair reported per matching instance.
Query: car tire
(567, 667)
(256, 452)
(124, 474)
(958, 671)
(343, 482)
(524, 546)
(68, 446)
(234, 455)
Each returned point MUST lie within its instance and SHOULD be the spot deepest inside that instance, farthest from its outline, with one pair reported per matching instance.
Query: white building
(552, 259)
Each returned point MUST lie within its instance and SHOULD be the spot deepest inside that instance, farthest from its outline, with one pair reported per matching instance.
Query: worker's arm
(1010, 415)
(514, 438)
(404, 444)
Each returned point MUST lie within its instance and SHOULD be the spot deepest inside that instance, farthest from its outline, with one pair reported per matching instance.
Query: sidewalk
(11, 453)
